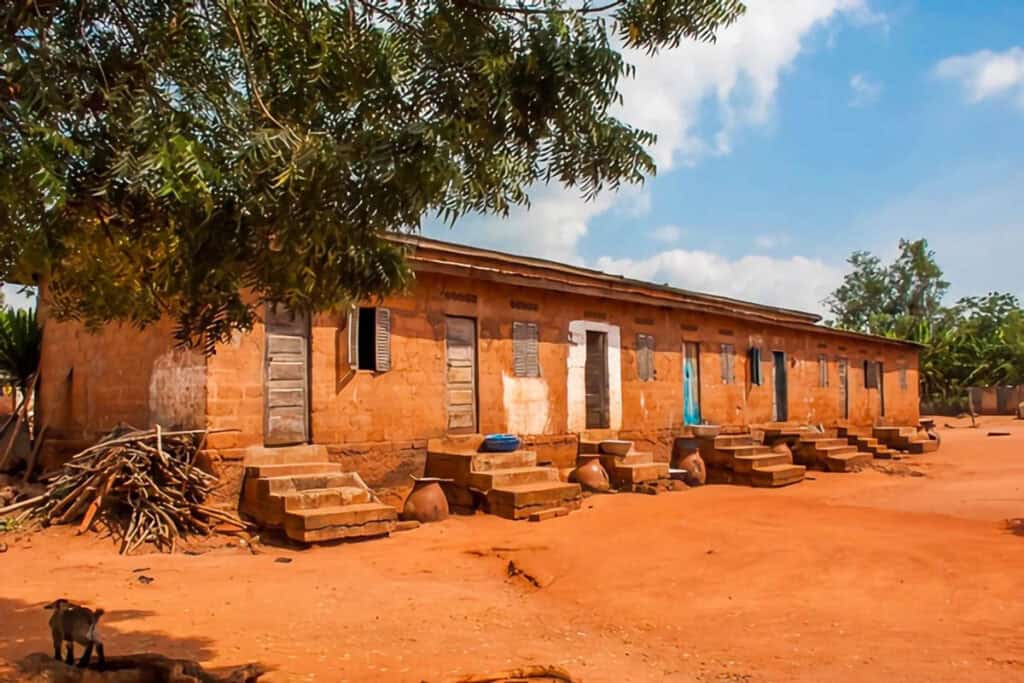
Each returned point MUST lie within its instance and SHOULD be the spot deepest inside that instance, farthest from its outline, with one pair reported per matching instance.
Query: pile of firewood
(143, 485)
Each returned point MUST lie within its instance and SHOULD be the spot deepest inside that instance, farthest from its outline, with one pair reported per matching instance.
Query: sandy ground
(910, 575)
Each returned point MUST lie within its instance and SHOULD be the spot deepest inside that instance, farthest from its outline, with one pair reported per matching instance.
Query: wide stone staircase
(627, 469)
(908, 439)
(821, 450)
(865, 441)
(740, 459)
(296, 489)
(510, 485)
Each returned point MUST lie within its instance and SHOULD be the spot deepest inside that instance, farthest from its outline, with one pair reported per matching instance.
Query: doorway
(285, 377)
(460, 357)
(844, 391)
(780, 405)
(881, 388)
(595, 378)
(691, 383)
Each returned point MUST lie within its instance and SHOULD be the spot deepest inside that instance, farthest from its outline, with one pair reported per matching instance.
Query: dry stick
(22, 414)
(38, 446)
(94, 506)
(142, 436)
(22, 504)
(10, 442)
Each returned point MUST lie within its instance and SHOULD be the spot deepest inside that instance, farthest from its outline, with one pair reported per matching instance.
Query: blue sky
(810, 130)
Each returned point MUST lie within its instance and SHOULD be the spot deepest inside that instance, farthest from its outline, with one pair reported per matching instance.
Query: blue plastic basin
(501, 443)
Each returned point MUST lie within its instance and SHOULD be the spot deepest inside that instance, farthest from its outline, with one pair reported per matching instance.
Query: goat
(72, 624)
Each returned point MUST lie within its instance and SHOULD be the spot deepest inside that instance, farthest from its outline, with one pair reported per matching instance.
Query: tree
(890, 300)
(195, 158)
(20, 346)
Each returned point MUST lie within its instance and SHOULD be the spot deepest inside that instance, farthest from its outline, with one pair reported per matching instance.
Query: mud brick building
(482, 342)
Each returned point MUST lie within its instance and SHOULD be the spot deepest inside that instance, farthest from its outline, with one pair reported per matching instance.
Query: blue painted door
(691, 383)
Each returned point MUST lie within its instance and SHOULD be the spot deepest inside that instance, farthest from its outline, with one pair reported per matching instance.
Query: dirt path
(870, 576)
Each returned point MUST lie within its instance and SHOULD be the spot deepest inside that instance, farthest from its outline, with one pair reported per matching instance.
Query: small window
(645, 357)
(728, 363)
(755, 367)
(369, 339)
(525, 352)
(822, 370)
(870, 374)
(904, 384)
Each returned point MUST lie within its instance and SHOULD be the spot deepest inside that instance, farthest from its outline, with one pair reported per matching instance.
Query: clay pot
(696, 473)
(591, 476)
(426, 502)
(782, 448)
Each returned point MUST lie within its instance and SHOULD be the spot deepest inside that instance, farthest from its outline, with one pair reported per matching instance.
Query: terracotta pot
(426, 502)
(591, 476)
(696, 474)
(782, 448)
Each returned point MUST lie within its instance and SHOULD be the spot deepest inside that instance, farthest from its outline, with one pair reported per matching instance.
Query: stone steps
(522, 500)
(340, 521)
(748, 463)
(636, 473)
(847, 462)
(774, 476)
(487, 480)
(291, 469)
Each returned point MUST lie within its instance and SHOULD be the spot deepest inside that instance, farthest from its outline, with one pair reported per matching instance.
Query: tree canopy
(195, 158)
(977, 341)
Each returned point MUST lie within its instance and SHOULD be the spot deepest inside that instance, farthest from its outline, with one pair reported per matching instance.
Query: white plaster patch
(577, 388)
(526, 404)
(177, 390)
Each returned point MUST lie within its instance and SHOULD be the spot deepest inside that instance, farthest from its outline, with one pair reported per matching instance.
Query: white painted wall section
(526, 404)
(577, 387)
(177, 390)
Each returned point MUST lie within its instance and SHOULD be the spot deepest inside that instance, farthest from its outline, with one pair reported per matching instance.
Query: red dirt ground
(855, 577)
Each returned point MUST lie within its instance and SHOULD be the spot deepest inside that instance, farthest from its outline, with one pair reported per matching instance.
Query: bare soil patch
(847, 577)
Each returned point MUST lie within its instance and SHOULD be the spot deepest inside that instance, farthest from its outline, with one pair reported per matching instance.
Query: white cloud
(666, 233)
(739, 75)
(864, 91)
(987, 74)
(795, 282)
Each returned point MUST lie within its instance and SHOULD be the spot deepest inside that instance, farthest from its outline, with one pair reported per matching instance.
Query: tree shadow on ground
(26, 630)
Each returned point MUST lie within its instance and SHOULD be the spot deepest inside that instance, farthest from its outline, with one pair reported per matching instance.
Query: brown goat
(72, 624)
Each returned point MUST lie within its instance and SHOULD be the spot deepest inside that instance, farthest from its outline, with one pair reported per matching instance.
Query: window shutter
(382, 339)
(727, 363)
(822, 370)
(755, 366)
(870, 375)
(903, 378)
(525, 350)
(353, 338)
(645, 357)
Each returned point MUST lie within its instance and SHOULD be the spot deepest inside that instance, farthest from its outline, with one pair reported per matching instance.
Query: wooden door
(844, 389)
(881, 388)
(286, 377)
(460, 354)
(596, 380)
(691, 383)
(780, 405)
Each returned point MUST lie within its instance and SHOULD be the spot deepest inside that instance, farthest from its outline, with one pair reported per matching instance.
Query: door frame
(697, 387)
(780, 413)
(307, 427)
(844, 387)
(476, 375)
(606, 398)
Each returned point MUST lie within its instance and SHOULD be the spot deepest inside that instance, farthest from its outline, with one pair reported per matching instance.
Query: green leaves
(20, 345)
(192, 158)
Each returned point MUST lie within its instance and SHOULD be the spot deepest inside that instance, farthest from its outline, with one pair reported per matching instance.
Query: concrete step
(727, 440)
(313, 499)
(822, 442)
(621, 475)
(631, 458)
(748, 463)
(919, 446)
(522, 500)
(302, 482)
(847, 462)
(485, 462)
(724, 456)
(285, 455)
(773, 476)
(290, 469)
(887, 434)
(485, 481)
(338, 522)
(834, 449)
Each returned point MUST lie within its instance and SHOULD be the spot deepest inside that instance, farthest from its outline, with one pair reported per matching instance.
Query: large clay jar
(426, 502)
(591, 476)
(696, 473)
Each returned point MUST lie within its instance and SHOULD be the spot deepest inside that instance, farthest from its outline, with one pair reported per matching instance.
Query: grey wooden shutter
(822, 370)
(645, 357)
(525, 351)
(382, 339)
(353, 338)
(728, 367)
(870, 374)
(755, 366)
